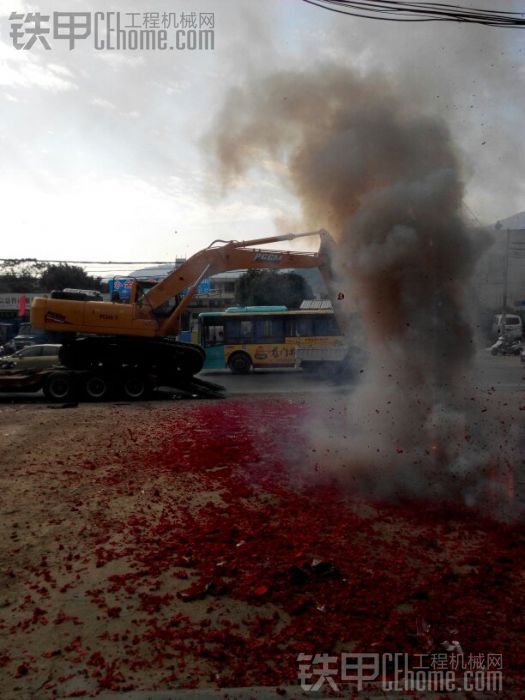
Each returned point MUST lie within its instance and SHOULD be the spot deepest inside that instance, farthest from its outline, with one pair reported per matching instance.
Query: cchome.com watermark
(114, 31)
(402, 673)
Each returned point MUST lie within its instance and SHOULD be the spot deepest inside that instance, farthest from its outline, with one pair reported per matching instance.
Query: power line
(403, 11)
(89, 262)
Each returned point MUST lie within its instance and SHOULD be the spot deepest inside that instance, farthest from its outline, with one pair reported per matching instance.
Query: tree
(20, 275)
(271, 288)
(64, 275)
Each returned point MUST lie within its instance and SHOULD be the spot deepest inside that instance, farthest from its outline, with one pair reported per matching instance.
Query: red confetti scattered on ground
(235, 558)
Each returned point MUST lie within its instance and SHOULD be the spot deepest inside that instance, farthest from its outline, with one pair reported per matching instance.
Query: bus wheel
(240, 363)
(97, 387)
(60, 387)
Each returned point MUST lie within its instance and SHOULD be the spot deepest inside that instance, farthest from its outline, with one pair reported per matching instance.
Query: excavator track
(103, 363)
(112, 353)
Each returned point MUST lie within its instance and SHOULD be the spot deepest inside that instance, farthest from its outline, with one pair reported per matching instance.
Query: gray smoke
(385, 179)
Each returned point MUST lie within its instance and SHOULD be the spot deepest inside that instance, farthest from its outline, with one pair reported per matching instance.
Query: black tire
(135, 387)
(97, 387)
(60, 387)
(240, 363)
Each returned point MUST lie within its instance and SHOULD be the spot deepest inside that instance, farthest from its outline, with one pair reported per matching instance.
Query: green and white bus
(262, 337)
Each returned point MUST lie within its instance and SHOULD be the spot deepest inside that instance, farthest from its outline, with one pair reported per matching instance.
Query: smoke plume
(385, 179)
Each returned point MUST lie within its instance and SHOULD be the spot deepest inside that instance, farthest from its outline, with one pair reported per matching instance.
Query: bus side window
(246, 331)
(325, 325)
(269, 330)
(305, 326)
(238, 331)
(214, 335)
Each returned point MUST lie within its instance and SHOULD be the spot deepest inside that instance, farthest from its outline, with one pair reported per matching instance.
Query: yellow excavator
(131, 346)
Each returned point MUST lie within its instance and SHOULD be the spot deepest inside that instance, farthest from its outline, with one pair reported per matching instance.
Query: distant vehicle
(260, 337)
(27, 335)
(22, 341)
(77, 294)
(506, 345)
(6, 332)
(32, 357)
(7, 349)
(513, 326)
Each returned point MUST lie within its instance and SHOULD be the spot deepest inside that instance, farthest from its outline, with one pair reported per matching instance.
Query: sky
(105, 154)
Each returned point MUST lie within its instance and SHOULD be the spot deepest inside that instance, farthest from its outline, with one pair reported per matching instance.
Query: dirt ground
(164, 545)
(63, 485)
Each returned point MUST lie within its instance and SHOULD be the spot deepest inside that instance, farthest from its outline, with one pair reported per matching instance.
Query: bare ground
(63, 487)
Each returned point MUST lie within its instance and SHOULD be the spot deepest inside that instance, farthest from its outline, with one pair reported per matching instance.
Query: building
(220, 290)
(214, 294)
(500, 273)
(14, 310)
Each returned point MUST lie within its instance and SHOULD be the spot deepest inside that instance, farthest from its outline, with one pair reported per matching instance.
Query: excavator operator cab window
(166, 309)
(139, 295)
(142, 288)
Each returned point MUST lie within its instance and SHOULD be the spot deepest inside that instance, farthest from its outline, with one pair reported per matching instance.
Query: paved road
(506, 374)
(500, 373)
(275, 381)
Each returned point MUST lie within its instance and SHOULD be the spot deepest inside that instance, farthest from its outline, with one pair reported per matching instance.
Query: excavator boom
(232, 255)
(149, 314)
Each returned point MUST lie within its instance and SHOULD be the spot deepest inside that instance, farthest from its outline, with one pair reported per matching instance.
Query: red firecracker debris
(240, 552)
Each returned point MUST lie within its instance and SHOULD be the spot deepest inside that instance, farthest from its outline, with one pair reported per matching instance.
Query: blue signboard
(203, 287)
(122, 285)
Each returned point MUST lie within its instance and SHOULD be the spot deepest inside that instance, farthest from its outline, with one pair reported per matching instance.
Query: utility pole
(505, 284)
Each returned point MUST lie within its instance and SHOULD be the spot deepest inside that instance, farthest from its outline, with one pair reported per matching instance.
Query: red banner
(21, 305)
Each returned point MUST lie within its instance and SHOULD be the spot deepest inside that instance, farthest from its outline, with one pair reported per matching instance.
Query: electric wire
(400, 11)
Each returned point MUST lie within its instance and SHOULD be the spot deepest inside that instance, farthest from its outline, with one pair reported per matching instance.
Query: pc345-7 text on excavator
(131, 347)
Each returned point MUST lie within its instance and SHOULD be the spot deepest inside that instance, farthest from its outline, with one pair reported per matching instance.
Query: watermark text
(114, 31)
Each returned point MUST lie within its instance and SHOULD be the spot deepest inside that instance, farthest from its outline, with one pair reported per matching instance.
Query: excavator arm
(148, 315)
(233, 255)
